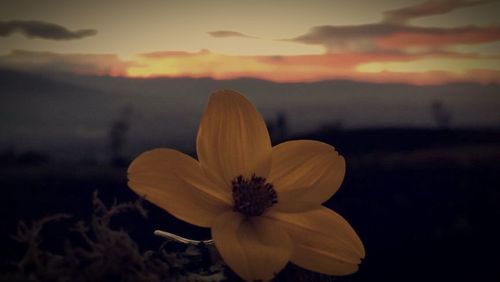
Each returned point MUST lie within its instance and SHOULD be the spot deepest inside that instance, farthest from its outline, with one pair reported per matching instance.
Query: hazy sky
(411, 41)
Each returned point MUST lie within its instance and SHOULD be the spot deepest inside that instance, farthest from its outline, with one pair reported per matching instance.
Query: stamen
(252, 197)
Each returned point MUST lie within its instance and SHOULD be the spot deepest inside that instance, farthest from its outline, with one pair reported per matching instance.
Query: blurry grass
(63, 170)
(458, 155)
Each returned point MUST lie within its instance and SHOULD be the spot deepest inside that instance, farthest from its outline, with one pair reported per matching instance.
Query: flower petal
(323, 241)
(305, 173)
(255, 248)
(175, 182)
(232, 138)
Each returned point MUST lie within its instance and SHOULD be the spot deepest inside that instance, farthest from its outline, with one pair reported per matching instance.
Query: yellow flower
(262, 203)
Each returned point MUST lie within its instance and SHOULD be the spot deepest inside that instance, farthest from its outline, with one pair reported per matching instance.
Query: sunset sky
(419, 42)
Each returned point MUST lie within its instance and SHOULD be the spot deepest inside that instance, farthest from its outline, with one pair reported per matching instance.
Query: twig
(180, 239)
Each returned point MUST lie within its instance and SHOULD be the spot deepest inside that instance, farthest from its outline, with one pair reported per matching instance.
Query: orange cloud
(276, 68)
(438, 37)
(304, 67)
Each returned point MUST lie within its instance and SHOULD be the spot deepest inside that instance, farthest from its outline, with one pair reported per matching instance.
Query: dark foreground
(426, 206)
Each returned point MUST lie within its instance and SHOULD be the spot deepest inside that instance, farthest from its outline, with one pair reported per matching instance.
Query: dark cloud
(429, 8)
(172, 54)
(393, 34)
(45, 30)
(228, 33)
(357, 38)
(378, 37)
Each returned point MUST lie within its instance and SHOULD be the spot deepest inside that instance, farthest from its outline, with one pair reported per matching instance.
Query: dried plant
(106, 254)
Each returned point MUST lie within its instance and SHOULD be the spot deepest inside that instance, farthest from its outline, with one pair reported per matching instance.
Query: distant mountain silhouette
(70, 114)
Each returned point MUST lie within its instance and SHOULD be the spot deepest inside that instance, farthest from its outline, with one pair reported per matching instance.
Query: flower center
(252, 197)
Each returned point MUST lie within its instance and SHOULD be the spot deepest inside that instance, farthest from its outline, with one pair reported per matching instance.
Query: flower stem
(180, 239)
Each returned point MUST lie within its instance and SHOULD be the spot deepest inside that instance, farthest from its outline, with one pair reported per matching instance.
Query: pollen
(253, 196)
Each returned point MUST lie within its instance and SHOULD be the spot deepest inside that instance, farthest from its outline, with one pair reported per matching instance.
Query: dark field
(424, 202)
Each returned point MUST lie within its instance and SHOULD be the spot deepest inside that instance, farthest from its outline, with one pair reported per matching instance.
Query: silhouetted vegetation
(118, 137)
(441, 115)
(103, 253)
(10, 157)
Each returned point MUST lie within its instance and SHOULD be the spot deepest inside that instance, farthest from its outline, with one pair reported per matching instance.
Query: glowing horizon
(311, 68)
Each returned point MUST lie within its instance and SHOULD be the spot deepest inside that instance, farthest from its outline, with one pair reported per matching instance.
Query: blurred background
(407, 91)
